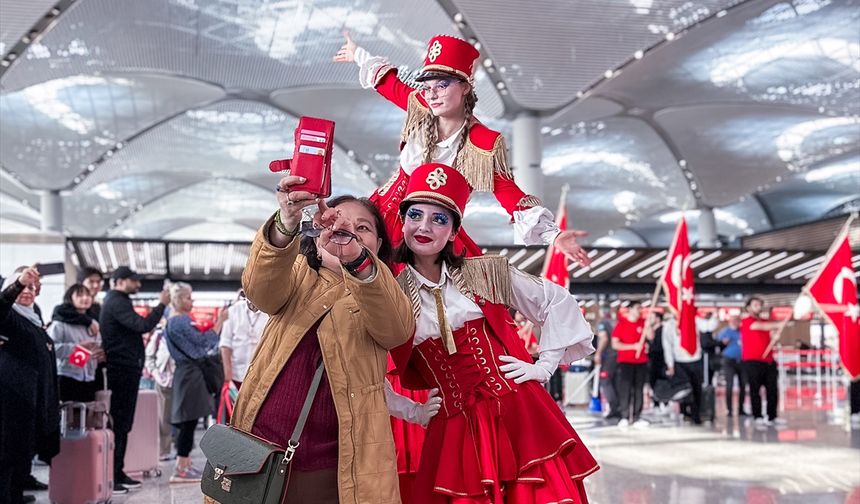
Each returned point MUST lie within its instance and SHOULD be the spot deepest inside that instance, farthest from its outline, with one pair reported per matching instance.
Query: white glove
(400, 406)
(521, 371)
(422, 413)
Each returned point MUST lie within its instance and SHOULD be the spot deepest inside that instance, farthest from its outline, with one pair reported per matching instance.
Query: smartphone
(54, 268)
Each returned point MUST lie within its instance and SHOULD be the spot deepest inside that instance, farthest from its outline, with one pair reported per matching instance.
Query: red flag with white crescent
(834, 290)
(678, 280)
(79, 356)
(555, 265)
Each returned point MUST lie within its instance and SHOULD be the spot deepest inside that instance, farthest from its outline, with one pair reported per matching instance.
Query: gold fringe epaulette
(416, 116)
(488, 277)
(407, 282)
(479, 165)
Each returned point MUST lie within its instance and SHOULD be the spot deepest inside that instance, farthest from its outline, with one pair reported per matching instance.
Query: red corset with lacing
(467, 376)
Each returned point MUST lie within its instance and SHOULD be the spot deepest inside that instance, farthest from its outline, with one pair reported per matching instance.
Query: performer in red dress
(498, 437)
(440, 127)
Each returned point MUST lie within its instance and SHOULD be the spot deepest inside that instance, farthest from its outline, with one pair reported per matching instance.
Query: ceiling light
(721, 13)
(580, 94)
(670, 36)
(488, 62)
(639, 54)
(91, 167)
(608, 74)
(500, 85)
(11, 56)
(682, 162)
(119, 145)
(477, 45)
(458, 17)
(5, 63)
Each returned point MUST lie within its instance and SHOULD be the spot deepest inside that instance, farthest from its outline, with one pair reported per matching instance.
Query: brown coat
(360, 322)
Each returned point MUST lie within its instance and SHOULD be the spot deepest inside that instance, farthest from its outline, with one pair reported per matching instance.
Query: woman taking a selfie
(330, 296)
(499, 437)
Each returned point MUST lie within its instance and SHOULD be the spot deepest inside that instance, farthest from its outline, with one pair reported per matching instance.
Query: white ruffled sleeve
(370, 68)
(549, 305)
(534, 226)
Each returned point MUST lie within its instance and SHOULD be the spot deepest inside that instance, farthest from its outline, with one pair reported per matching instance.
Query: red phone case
(314, 142)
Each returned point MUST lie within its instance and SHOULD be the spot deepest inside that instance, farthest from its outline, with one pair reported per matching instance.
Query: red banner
(834, 291)
(555, 265)
(680, 290)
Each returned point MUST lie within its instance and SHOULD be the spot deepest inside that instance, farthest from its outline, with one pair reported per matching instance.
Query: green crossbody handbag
(245, 469)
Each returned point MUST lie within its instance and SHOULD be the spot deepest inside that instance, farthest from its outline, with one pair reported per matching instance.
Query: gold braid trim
(488, 277)
(407, 282)
(529, 201)
(416, 115)
(478, 165)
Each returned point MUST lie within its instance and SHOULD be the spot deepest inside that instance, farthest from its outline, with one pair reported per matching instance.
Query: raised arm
(380, 294)
(375, 72)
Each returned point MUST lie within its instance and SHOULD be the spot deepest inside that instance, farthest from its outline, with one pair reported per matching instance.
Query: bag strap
(303, 416)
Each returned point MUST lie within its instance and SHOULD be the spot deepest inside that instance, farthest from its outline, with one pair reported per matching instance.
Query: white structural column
(52, 212)
(527, 154)
(707, 228)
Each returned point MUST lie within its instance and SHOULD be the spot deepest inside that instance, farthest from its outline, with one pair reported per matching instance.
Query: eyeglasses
(441, 88)
(338, 237)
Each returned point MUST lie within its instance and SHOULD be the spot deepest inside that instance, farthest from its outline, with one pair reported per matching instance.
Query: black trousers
(78, 391)
(692, 373)
(19, 446)
(732, 368)
(762, 374)
(123, 383)
(854, 396)
(631, 381)
(185, 437)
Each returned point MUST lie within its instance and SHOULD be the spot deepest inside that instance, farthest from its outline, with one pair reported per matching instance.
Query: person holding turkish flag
(680, 292)
(834, 291)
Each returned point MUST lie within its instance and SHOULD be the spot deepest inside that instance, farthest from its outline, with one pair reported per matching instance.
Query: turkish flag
(555, 265)
(680, 290)
(834, 290)
(80, 356)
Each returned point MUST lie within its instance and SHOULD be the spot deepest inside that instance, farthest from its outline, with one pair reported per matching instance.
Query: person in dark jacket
(122, 338)
(29, 408)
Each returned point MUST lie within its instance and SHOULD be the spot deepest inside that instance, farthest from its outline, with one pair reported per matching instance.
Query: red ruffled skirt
(494, 441)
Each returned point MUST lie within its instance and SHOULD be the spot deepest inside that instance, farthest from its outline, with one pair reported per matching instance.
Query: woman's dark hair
(308, 247)
(88, 272)
(74, 289)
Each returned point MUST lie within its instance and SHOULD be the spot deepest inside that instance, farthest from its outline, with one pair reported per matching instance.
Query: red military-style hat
(447, 56)
(438, 184)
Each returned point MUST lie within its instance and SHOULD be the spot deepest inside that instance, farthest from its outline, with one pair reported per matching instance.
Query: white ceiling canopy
(160, 117)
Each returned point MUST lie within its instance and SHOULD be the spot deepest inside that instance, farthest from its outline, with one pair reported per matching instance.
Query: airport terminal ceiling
(157, 118)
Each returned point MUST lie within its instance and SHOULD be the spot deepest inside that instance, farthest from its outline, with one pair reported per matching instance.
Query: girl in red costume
(498, 437)
(440, 127)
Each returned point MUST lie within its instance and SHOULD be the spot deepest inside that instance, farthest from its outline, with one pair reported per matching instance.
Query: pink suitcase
(82, 473)
(141, 454)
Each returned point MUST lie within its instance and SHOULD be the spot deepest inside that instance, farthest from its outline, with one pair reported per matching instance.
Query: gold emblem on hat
(434, 51)
(436, 178)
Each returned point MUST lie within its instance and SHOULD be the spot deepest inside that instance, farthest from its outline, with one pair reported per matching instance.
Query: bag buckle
(290, 451)
(218, 473)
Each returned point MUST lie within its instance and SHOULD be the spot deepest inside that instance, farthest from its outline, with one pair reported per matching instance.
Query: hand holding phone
(54, 268)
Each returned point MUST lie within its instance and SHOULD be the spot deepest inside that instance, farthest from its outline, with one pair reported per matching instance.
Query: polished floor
(815, 458)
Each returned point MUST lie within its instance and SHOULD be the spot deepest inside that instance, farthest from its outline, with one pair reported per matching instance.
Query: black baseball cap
(124, 272)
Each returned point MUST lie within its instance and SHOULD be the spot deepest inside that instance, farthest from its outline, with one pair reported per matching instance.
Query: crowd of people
(41, 367)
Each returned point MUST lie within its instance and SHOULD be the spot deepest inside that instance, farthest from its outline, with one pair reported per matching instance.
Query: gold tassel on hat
(444, 326)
